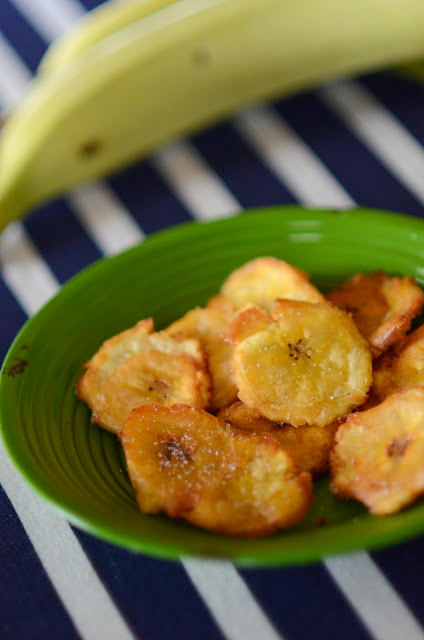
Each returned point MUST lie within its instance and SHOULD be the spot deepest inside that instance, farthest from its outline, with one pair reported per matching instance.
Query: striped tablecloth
(357, 141)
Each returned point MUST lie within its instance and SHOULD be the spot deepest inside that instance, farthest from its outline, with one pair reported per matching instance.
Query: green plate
(79, 468)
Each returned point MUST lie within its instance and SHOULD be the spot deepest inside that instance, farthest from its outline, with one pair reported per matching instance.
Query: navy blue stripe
(404, 97)
(304, 603)
(362, 175)
(233, 160)
(402, 565)
(156, 597)
(29, 605)
(21, 35)
(61, 240)
(12, 318)
(150, 200)
(90, 4)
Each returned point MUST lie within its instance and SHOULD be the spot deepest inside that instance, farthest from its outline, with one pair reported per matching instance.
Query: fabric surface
(357, 141)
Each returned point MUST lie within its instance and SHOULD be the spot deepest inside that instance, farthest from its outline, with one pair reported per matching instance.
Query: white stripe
(357, 576)
(201, 191)
(104, 217)
(375, 601)
(230, 602)
(290, 159)
(51, 18)
(24, 271)
(380, 131)
(83, 595)
(14, 76)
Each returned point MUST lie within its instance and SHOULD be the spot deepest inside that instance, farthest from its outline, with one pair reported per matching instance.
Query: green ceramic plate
(79, 468)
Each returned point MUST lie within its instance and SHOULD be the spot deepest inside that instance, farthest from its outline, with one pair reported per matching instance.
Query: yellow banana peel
(124, 83)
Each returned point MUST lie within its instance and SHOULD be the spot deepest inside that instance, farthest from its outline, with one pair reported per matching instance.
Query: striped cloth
(352, 142)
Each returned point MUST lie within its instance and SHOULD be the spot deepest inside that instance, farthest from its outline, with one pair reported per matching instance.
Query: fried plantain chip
(382, 307)
(210, 326)
(219, 303)
(239, 416)
(183, 462)
(248, 322)
(139, 367)
(262, 280)
(266, 491)
(408, 361)
(383, 380)
(378, 455)
(401, 367)
(305, 364)
(308, 445)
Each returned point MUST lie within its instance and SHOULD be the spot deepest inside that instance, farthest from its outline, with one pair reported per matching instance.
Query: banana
(95, 25)
(180, 68)
(413, 70)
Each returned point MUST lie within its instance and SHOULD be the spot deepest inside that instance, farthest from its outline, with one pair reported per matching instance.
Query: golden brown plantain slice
(378, 455)
(308, 445)
(210, 326)
(239, 416)
(265, 492)
(383, 380)
(408, 362)
(262, 280)
(308, 364)
(248, 322)
(382, 307)
(219, 303)
(176, 456)
(183, 462)
(139, 367)
(401, 367)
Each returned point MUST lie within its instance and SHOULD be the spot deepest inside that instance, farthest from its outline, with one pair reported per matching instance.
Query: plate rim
(175, 552)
